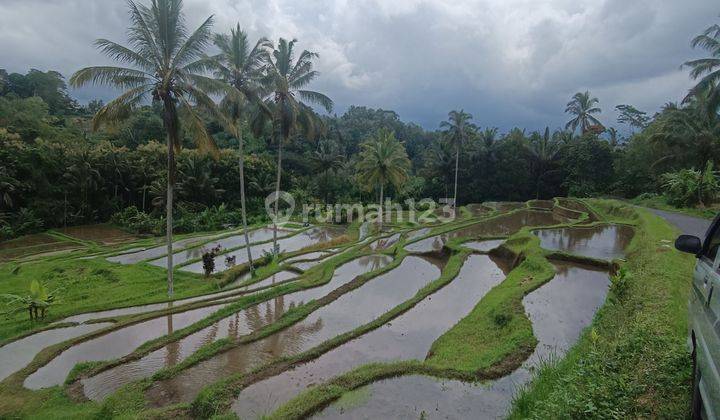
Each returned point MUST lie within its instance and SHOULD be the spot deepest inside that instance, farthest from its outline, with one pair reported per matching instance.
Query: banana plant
(36, 303)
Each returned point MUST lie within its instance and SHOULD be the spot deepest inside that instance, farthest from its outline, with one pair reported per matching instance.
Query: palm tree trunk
(241, 165)
(380, 210)
(457, 161)
(171, 127)
(169, 213)
(277, 192)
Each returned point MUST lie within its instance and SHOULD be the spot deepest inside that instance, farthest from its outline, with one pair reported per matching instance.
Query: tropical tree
(613, 137)
(288, 101)
(383, 160)
(325, 160)
(458, 129)
(544, 151)
(628, 114)
(707, 69)
(163, 65)
(241, 67)
(582, 107)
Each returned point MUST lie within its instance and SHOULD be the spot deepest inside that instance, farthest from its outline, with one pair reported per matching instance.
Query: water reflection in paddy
(309, 237)
(257, 235)
(112, 345)
(498, 226)
(349, 311)
(603, 242)
(559, 311)
(269, 281)
(384, 243)
(136, 257)
(241, 323)
(484, 246)
(407, 337)
(17, 354)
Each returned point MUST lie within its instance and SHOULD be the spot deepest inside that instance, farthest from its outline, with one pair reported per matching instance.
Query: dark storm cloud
(508, 62)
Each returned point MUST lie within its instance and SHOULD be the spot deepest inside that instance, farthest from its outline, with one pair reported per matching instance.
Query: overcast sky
(508, 62)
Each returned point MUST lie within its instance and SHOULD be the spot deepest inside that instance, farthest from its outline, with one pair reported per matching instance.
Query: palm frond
(119, 77)
(316, 98)
(120, 107)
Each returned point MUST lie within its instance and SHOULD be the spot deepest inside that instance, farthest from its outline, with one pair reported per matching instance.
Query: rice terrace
(193, 228)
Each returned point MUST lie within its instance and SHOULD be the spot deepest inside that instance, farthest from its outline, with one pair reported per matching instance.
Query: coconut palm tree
(544, 151)
(582, 107)
(458, 129)
(288, 107)
(707, 69)
(383, 160)
(325, 160)
(163, 65)
(241, 67)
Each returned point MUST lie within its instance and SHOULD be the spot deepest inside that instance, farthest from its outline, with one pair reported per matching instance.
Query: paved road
(687, 224)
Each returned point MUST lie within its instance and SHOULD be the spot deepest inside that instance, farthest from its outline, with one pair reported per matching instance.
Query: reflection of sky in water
(408, 336)
(559, 311)
(257, 235)
(498, 226)
(347, 312)
(309, 237)
(604, 242)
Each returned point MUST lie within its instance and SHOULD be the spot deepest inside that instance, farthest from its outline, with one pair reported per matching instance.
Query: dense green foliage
(57, 171)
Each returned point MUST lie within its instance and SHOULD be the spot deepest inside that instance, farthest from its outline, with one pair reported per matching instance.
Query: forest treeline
(56, 170)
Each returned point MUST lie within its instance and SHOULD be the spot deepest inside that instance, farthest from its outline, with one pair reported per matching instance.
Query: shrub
(137, 221)
(688, 187)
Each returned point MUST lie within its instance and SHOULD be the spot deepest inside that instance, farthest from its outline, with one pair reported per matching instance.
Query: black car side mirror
(688, 243)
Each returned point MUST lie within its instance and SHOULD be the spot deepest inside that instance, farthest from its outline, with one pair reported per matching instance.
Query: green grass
(90, 285)
(633, 362)
(658, 202)
(496, 331)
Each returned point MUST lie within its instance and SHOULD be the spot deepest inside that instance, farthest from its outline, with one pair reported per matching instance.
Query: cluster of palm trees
(259, 84)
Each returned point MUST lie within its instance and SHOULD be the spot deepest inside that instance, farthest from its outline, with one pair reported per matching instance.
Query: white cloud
(509, 62)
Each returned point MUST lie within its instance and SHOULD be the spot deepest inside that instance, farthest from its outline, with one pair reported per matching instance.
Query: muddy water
(559, 311)
(102, 233)
(498, 226)
(269, 281)
(417, 233)
(308, 256)
(112, 345)
(384, 243)
(407, 337)
(484, 246)
(257, 235)
(16, 355)
(241, 323)
(136, 257)
(309, 237)
(604, 242)
(349, 311)
(505, 206)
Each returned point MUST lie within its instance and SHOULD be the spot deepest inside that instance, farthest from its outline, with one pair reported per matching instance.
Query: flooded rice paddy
(240, 323)
(159, 251)
(17, 354)
(603, 242)
(104, 234)
(484, 246)
(498, 226)
(559, 311)
(407, 337)
(113, 345)
(347, 312)
(312, 236)
(231, 242)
